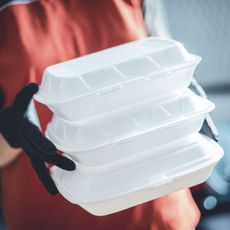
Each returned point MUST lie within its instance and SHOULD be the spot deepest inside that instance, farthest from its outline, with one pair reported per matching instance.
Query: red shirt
(32, 37)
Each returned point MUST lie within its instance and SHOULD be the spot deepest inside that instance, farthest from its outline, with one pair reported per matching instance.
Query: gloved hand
(19, 132)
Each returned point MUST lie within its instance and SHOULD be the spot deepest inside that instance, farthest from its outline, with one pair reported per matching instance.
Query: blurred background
(203, 27)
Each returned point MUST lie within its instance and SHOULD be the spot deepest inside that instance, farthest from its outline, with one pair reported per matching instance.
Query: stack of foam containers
(128, 120)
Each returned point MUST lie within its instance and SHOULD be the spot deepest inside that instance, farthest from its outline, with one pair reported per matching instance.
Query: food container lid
(112, 68)
(153, 168)
(128, 123)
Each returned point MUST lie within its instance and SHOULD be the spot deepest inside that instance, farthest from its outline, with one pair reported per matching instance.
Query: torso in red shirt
(32, 37)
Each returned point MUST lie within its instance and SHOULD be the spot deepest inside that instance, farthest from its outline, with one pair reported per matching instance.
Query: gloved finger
(62, 162)
(44, 175)
(24, 97)
(58, 160)
(34, 152)
(1, 99)
(37, 140)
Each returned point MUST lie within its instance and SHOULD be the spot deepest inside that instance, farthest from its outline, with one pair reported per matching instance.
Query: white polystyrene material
(92, 85)
(132, 129)
(119, 151)
(154, 173)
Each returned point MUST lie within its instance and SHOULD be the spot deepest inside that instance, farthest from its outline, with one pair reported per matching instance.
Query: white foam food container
(153, 122)
(155, 173)
(89, 86)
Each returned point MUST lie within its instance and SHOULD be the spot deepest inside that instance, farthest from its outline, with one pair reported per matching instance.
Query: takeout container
(127, 119)
(154, 173)
(129, 131)
(91, 86)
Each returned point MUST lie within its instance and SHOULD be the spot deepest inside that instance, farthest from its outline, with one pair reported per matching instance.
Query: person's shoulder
(6, 3)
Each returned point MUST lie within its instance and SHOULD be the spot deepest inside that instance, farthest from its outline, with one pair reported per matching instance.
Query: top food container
(97, 84)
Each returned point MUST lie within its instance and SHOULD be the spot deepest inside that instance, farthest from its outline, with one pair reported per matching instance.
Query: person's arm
(18, 132)
(176, 211)
(7, 153)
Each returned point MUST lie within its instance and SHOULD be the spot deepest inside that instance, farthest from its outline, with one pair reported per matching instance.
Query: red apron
(32, 37)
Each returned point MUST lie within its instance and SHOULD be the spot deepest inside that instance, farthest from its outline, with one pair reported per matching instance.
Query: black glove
(21, 133)
(1, 99)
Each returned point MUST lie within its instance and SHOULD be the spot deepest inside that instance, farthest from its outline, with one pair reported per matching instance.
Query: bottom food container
(154, 173)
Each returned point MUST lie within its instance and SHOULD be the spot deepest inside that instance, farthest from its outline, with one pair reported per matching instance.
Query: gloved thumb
(24, 97)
